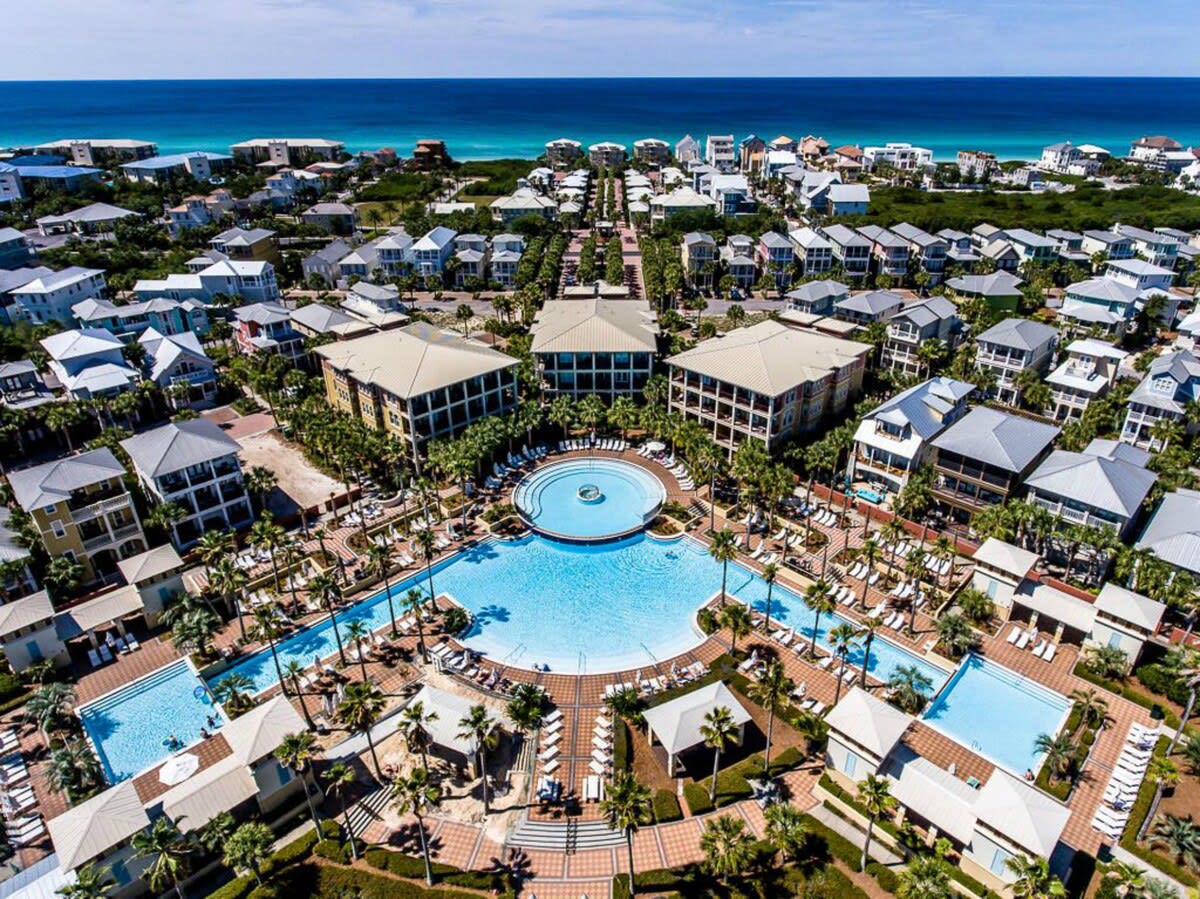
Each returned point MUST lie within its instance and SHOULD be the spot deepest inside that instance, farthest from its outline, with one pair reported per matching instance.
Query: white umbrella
(178, 769)
(656, 446)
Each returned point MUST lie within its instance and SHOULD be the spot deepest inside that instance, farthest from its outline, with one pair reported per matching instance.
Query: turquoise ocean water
(1012, 117)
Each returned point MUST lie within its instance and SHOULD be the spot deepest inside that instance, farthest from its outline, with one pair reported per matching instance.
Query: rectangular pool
(131, 728)
(997, 713)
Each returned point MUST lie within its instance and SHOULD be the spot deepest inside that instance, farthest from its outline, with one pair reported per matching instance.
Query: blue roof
(63, 172)
(37, 159)
(173, 160)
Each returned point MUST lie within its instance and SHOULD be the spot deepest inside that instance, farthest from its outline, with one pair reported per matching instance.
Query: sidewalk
(841, 826)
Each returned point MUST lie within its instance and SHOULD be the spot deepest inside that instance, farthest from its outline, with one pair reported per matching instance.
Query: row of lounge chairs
(827, 518)
(103, 653)
(1021, 638)
(861, 570)
(18, 803)
(1128, 772)
(369, 512)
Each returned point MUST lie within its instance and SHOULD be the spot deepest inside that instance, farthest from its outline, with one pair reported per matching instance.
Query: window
(1000, 862)
(849, 763)
(58, 529)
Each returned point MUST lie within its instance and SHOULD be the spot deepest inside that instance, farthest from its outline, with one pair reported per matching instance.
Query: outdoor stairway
(568, 836)
(367, 810)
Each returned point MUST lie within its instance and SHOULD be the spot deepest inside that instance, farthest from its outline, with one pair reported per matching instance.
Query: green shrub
(238, 888)
(831, 882)
(622, 745)
(413, 868)
(666, 807)
(836, 844)
(1128, 692)
(1141, 808)
(298, 849)
(706, 618)
(696, 797)
(885, 877)
(333, 850)
(10, 686)
(333, 881)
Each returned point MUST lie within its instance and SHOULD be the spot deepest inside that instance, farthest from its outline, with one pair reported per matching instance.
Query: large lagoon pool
(582, 608)
(589, 498)
(998, 713)
(130, 727)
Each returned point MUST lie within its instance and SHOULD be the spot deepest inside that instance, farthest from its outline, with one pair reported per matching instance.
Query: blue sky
(81, 39)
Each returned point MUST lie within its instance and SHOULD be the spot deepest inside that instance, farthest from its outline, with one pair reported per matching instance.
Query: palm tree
(718, 731)
(843, 638)
(267, 629)
(194, 632)
(909, 686)
(955, 634)
(233, 691)
(1034, 880)
(867, 629)
(358, 631)
(1131, 880)
(215, 832)
(1092, 709)
(227, 579)
(296, 752)
(414, 725)
(868, 555)
(266, 534)
(1188, 674)
(90, 883)
(359, 710)
(771, 691)
(414, 794)
(248, 847)
(74, 770)
(724, 550)
(327, 592)
(427, 544)
(413, 603)
(874, 794)
(926, 877)
(787, 829)
(479, 727)
(819, 600)
(48, 705)
(1164, 773)
(169, 852)
(728, 849)
(525, 706)
(1180, 836)
(293, 671)
(1059, 752)
(626, 705)
(339, 777)
(626, 806)
(380, 559)
(770, 573)
(735, 617)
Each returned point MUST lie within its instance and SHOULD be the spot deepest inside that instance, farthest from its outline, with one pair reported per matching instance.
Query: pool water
(589, 498)
(582, 608)
(128, 727)
(998, 713)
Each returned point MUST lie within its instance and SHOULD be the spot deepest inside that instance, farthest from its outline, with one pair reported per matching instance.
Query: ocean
(504, 117)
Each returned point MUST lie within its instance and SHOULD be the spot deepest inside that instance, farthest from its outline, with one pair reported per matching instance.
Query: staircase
(566, 837)
(367, 810)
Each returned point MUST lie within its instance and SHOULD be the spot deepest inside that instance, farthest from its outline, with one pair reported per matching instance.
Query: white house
(49, 297)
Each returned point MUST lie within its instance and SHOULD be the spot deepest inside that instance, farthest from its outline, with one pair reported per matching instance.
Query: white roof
(450, 708)
(1056, 604)
(594, 326)
(677, 723)
(1006, 557)
(259, 732)
(151, 563)
(98, 824)
(415, 359)
(21, 613)
(52, 482)
(95, 613)
(1025, 815)
(1173, 532)
(770, 358)
(84, 342)
(868, 721)
(57, 280)
(206, 794)
(933, 793)
(177, 446)
(1129, 606)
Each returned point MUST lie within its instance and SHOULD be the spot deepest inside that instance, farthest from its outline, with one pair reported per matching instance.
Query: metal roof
(96, 825)
(1008, 442)
(1101, 482)
(678, 722)
(594, 326)
(868, 721)
(52, 482)
(1173, 532)
(1018, 333)
(178, 445)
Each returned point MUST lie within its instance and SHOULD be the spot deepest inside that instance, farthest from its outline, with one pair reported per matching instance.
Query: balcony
(103, 507)
(111, 538)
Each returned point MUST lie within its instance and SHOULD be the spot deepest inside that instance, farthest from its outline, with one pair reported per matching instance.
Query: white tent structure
(677, 723)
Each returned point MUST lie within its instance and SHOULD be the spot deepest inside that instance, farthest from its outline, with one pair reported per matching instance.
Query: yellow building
(82, 509)
(418, 382)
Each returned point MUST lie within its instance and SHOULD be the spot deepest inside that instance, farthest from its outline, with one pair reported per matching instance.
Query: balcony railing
(109, 538)
(103, 507)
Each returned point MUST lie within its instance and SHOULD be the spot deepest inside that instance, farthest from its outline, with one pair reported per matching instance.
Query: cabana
(677, 724)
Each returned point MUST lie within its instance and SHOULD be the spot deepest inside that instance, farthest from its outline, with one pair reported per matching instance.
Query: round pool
(589, 499)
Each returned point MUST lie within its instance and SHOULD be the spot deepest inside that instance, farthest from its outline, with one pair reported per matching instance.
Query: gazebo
(677, 723)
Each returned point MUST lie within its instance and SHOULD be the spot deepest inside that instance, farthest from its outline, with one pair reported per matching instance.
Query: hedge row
(731, 783)
(1126, 692)
(622, 746)
(334, 882)
(666, 807)
(413, 867)
(1141, 808)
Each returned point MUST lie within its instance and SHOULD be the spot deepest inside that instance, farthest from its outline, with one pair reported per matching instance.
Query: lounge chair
(1048, 655)
(1040, 648)
(1013, 634)
(94, 658)
(105, 652)
(1024, 639)
(551, 766)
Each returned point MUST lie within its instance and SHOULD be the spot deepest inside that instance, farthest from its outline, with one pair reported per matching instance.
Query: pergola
(677, 724)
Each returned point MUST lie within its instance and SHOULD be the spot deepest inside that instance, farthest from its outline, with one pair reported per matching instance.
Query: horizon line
(926, 77)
